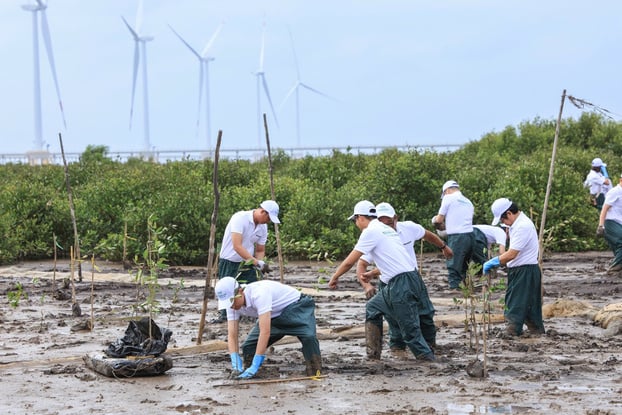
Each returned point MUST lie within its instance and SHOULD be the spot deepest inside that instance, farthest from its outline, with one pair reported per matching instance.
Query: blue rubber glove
(236, 362)
(490, 264)
(252, 370)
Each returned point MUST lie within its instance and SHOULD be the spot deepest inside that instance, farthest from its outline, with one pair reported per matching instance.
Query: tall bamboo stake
(92, 291)
(71, 210)
(276, 225)
(212, 236)
(548, 189)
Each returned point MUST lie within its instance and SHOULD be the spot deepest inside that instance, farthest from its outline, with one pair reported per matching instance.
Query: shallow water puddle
(457, 409)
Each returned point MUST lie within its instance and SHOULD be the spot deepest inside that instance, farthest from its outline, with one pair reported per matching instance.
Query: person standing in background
(610, 226)
(598, 183)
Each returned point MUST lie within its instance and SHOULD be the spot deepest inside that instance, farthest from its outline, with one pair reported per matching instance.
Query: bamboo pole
(92, 292)
(259, 382)
(276, 225)
(548, 189)
(212, 236)
(71, 210)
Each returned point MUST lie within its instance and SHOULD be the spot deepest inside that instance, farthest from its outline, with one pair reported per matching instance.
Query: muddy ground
(576, 368)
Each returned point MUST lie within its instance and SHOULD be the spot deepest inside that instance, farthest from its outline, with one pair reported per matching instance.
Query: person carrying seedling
(280, 310)
(598, 182)
(244, 245)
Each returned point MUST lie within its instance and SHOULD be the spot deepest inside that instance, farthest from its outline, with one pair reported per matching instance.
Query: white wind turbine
(296, 89)
(140, 49)
(261, 82)
(204, 60)
(36, 9)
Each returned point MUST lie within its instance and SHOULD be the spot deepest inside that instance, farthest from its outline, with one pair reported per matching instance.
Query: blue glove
(490, 264)
(236, 362)
(252, 370)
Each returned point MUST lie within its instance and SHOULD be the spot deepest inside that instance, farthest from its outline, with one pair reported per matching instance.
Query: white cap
(597, 162)
(365, 208)
(385, 209)
(499, 207)
(225, 291)
(273, 210)
(450, 183)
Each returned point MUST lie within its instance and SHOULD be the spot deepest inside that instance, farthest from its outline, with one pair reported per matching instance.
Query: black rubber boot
(373, 338)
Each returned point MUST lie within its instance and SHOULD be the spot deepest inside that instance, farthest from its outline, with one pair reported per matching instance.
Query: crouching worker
(280, 310)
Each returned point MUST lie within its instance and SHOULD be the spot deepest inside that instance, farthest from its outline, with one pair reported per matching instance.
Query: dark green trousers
(297, 319)
(480, 247)
(462, 246)
(613, 236)
(523, 298)
(405, 304)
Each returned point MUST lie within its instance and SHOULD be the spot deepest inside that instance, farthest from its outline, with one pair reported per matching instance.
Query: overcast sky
(402, 72)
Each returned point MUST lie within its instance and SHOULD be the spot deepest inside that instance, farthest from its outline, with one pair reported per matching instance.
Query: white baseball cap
(447, 185)
(273, 210)
(498, 208)
(365, 208)
(597, 162)
(225, 292)
(385, 209)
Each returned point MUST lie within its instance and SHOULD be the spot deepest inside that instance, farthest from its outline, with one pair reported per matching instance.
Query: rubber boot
(534, 329)
(313, 367)
(510, 330)
(373, 337)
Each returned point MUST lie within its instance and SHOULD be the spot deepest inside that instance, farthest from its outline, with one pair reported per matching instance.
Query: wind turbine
(37, 8)
(296, 90)
(204, 60)
(261, 82)
(140, 49)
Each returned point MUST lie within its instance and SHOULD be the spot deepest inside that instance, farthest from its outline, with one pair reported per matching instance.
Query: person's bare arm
(236, 239)
(435, 240)
(232, 336)
(507, 256)
(264, 321)
(345, 266)
(365, 276)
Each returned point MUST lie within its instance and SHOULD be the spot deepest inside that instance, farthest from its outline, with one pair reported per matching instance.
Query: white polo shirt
(242, 223)
(458, 212)
(524, 239)
(596, 182)
(494, 234)
(383, 246)
(263, 296)
(614, 199)
(409, 233)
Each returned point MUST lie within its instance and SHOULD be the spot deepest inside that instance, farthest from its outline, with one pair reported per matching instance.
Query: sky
(396, 72)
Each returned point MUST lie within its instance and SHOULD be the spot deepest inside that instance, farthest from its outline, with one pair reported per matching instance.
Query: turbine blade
(186, 43)
(294, 53)
(263, 43)
(317, 92)
(211, 41)
(289, 94)
(267, 92)
(131, 29)
(139, 16)
(47, 40)
(134, 76)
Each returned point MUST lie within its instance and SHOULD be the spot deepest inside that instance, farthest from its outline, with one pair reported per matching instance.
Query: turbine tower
(140, 53)
(262, 83)
(204, 60)
(296, 90)
(36, 9)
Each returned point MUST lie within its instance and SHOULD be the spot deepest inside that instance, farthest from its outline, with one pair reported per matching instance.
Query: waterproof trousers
(523, 298)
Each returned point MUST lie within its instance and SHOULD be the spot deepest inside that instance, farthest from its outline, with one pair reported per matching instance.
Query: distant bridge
(39, 157)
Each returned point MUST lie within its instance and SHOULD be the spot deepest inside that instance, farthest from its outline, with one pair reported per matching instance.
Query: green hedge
(316, 194)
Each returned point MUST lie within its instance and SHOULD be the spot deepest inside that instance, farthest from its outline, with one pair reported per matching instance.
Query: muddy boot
(314, 366)
(533, 329)
(510, 330)
(373, 340)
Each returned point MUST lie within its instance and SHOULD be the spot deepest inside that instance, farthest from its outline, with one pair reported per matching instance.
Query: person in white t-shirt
(244, 245)
(280, 310)
(610, 226)
(598, 182)
(491, 236)
(403, 292)
(455, 216)
(523, 295)
(409, 232)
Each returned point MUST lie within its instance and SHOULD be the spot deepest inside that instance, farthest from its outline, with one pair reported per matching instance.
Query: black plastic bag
(137, 342)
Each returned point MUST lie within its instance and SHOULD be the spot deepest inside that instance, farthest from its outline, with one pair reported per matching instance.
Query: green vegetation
(316, 194)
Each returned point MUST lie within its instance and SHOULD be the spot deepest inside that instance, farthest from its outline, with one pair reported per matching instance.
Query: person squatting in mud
(523, 296)
(280, 310)
(409, 232)
(399, 299)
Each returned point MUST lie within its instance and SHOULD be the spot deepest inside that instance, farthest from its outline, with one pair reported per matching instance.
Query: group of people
(400, 297)
(608, 200)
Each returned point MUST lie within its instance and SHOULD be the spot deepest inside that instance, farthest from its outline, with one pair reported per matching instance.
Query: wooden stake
(276, 225)
(71, 209)
(212, 236)
(259, 382)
